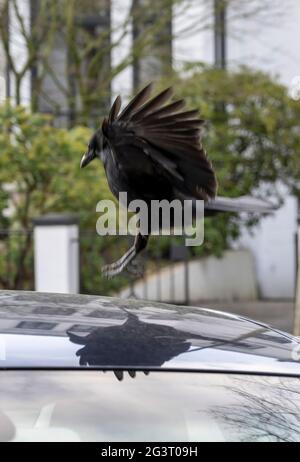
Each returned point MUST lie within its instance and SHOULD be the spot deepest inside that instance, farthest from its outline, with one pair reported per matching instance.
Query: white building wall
(193, 32)
(208, 278)
(268, 41)
(56, 258)
(262, 34)
(273, 245)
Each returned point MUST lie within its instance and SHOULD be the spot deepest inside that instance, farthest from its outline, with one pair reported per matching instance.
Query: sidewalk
(279, 314)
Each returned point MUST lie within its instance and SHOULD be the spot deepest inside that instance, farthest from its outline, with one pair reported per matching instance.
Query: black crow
(152, 151)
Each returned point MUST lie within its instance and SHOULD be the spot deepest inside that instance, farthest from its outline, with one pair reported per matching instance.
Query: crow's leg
(135, 268)
(140, 244)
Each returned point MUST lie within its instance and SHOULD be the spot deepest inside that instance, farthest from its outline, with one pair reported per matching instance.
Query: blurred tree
(156, 59)
(64, 47)
(84, 44)
(39, 173)
(37, 41)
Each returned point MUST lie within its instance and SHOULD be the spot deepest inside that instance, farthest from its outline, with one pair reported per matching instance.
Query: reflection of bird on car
(100, 347)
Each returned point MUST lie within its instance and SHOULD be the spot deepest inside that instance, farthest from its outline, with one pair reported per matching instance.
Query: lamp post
(220, 10)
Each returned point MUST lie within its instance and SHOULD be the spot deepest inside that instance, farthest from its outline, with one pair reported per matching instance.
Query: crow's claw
(109, 271)
(135, 269)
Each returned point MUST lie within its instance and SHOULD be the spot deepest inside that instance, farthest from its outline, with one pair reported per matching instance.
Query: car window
(98, 406)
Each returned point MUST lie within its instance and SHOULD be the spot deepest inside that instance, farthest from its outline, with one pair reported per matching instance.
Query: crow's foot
(136, 269)
(116, 268)
(109, 271)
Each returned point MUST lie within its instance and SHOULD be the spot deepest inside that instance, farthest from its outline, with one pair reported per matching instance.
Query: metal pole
(7, 65)
(220, 33)
(187, 281)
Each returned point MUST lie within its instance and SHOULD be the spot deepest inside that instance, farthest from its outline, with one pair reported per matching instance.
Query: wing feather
(167, 110)
(153, 104)
(115, 109)
(166, 118)
(170, 138)
(136, 102)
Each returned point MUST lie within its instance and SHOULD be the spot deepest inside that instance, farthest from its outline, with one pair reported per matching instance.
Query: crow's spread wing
(167, 135)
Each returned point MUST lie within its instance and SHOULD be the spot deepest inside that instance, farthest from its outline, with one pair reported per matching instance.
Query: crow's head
(95, 147)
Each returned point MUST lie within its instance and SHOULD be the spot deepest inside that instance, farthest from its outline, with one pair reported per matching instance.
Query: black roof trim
(52, 219)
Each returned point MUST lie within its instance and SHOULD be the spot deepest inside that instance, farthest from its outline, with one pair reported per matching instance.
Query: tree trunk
(18, 90)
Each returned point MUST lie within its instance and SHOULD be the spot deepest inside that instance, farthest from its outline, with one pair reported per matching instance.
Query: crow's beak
(86, 159)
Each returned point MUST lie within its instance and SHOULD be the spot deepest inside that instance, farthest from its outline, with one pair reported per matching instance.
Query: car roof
(80, 331)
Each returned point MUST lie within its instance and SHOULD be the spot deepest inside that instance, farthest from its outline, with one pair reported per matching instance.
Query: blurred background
(61, 64)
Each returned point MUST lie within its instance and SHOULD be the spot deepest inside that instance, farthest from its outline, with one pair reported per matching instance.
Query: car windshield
(98, 406)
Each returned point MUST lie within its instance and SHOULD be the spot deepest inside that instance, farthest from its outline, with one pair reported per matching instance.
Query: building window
(81, 328)
(58, 311)
(36, 325)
